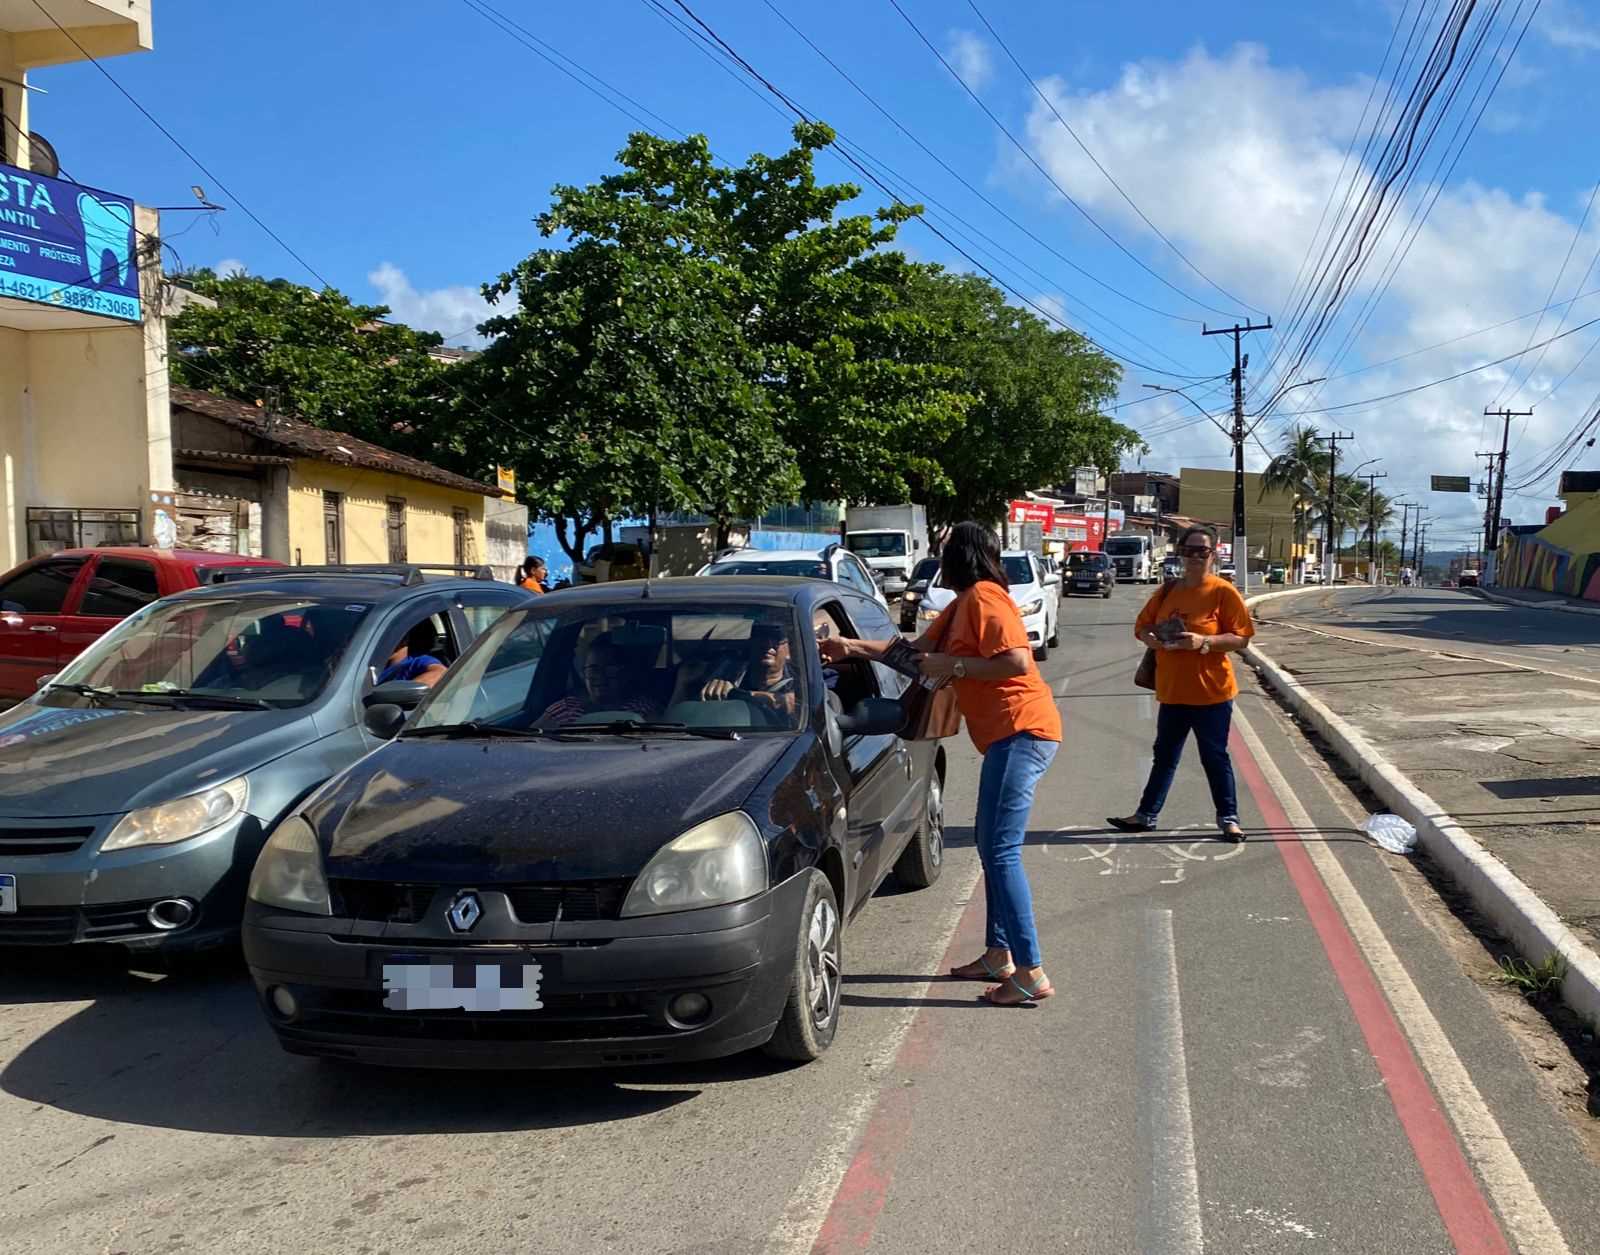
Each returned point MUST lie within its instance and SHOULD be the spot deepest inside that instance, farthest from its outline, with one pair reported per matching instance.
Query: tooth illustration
(106, 228)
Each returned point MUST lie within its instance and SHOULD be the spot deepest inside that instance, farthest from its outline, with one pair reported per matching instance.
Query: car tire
(921, 862)
(811, 1011)
(1042, 654)
(1055, 634)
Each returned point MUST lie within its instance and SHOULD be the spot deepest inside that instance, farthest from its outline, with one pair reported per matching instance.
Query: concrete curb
(1559, 606)
(1504, 900)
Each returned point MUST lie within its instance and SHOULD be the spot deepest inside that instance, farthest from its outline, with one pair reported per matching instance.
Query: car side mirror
(872, 716)
(43, 681)
(385, 720)
(404, 694)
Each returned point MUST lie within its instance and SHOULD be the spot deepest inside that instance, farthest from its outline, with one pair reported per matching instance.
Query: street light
(1156, 387)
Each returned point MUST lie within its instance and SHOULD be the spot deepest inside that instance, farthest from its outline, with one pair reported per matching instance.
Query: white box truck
(1133, 554)
(891, 539)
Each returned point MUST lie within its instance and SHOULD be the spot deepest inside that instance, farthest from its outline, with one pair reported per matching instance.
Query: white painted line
(809, 1202)
(1169, 1210)
(1504, 900)
(1528, 1223)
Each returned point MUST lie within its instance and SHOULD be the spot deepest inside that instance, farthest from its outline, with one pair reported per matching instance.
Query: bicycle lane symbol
(1120, 856)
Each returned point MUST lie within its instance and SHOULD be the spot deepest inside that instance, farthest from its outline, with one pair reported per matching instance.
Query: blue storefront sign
(66, 245)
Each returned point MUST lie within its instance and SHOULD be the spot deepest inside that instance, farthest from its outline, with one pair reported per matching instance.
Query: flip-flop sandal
(1041, 990)
(988, 972)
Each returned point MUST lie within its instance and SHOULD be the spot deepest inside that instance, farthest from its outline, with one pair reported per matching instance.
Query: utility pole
(1421, 530)
(1331, 555)
(1241, 546)
(1488, 505)
(1422, 551)
(1498, 497)
(1372, 524)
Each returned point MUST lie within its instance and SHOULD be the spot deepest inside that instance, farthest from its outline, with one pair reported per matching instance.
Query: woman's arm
(1002, 666)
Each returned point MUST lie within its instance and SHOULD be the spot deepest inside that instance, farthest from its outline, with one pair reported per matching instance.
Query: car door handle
(41, 627)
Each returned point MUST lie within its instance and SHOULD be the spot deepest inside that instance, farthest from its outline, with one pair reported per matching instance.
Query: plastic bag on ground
(1391, 832)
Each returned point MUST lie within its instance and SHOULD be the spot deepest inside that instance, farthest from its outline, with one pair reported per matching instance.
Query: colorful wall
(1561, 558)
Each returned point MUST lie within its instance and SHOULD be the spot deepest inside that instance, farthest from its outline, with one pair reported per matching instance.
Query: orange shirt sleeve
(1233, 616)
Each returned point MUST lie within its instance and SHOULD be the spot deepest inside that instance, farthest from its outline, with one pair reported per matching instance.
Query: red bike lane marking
(1467, 1216)
(853, 1215)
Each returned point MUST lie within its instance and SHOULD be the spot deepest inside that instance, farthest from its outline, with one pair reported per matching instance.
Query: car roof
(770, 555)
(195, 557)
(764, 589)
(374, 587)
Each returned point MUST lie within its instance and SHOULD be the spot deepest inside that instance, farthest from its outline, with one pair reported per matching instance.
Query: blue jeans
(1011, 770)
(1210, 726)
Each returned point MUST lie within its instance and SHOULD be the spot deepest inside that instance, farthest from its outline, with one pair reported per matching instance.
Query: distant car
(54, 607)
(1090, 574)
(1172, 568)
(1277, 575)
(834, 562)
(915, 591)
(1228, 572)
(1311, 575)
(1038, 602)
(1468, 579)
(138, 785)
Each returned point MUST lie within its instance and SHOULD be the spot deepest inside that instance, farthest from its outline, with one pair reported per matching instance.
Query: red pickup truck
(53, 608)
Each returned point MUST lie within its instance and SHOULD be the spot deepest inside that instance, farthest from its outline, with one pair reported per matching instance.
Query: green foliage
(1533, 980)
(315, 355)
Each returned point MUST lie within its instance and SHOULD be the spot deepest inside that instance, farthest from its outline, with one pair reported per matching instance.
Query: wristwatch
(1205, 645)
(960, 669)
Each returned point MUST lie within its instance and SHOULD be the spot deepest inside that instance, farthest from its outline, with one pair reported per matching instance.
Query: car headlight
(1032, 607)
(928, 614)
(288, 874)
(720, 861)
(180, 819)
(913, 595)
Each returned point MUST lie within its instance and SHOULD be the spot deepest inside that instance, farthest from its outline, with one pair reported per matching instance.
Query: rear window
(805, 569)
(119, 587)
(1018, 571)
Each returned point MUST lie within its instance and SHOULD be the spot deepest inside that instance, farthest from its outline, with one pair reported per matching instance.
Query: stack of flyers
(908, 661)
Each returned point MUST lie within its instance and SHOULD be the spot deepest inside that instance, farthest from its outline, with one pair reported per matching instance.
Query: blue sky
(403, 149)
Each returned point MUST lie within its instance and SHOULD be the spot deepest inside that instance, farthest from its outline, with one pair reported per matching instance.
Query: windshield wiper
(622, 727)
(94, 692)
(222, 701)
(472, 728)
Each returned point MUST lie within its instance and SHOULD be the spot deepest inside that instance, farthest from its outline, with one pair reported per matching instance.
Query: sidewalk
(1535, 599)
(1509, 752)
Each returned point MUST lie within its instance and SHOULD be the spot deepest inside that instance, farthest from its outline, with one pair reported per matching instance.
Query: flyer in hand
(908, 661)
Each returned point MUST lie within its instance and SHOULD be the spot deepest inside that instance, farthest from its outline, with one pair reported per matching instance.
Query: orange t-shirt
(533, 585)
(980, 623)
(1190, 678)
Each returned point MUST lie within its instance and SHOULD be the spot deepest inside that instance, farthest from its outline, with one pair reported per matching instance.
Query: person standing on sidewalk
(1193, 624)
(1012, 718)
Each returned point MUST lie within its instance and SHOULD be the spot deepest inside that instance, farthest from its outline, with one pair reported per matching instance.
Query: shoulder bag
(930, 714)
(1145, 676)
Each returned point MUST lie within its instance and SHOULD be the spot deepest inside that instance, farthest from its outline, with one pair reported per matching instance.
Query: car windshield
(1088, 561)
(1018, 571)
(877, 544)
(926, 570)
(808, 568)
(715, 666)
(277, 651)
(1126, 546)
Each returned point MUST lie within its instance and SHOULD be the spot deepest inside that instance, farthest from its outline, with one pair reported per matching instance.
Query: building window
(463, 534)
(333, 526)
(397, 529)
(50, 530)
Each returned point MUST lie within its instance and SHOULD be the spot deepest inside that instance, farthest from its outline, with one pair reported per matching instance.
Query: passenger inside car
(412, 659)
(612, 681)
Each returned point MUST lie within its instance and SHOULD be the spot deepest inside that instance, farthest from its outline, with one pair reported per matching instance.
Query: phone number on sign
(70, 298)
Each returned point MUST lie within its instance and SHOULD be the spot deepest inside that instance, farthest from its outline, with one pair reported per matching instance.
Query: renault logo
(464, 912)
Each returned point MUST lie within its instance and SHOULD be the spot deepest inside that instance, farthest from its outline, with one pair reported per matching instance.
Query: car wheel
(1055, 634)
(921, 862)
(811, 1011)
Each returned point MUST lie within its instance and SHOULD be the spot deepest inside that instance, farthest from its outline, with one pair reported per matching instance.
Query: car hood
(508, 811)
(60, 761)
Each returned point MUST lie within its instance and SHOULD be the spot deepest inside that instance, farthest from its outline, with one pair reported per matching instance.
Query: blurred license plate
(423, 986)
(8, 894)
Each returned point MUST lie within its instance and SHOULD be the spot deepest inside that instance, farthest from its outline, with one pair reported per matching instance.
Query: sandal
(1041, 990)
(979, 969)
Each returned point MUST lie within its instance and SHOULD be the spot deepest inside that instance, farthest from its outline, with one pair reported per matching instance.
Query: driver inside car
(611, 682)
(767, 679)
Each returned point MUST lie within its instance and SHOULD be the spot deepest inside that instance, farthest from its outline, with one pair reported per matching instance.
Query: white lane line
(807, 1209)
(1528, 1222)
(1169, 1211)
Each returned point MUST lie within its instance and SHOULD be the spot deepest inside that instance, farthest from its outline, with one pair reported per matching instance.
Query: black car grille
(572, 902)
(38, 927)
(51, 840)
(52, 925)
(563, 1017)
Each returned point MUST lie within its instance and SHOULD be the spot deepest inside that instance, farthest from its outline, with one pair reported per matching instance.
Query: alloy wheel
(822, 963)
(935, 821)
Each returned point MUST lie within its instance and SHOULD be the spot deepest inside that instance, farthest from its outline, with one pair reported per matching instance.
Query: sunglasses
(1196, 551)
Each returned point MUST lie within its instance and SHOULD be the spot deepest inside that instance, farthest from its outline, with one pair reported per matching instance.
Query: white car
(835, 562)
(1038, 598)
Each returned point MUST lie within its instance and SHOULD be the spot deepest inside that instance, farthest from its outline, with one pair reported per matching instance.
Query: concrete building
(84, 427)
(250, 481)
(1144, 492)
(1269, 516)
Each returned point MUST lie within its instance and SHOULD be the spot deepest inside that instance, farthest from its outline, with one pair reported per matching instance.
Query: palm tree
(1300, 469)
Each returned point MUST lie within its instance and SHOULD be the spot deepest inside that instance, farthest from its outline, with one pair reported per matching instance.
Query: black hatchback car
(629, 826)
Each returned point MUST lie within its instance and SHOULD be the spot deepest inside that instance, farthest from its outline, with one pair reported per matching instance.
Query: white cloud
(453, 311)
(1234, 159)
(971, 57)
(230, 266)
(1564, 25)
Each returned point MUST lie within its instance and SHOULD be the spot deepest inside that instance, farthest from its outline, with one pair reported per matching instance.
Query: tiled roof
(298, 437)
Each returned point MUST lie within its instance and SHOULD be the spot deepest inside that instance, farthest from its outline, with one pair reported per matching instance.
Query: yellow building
(250, 481)
(1269, 516)
(84, 437)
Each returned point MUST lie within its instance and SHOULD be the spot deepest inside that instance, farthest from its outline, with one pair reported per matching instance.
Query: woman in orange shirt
(533, 574)
(1194, 681)
(1012, 718)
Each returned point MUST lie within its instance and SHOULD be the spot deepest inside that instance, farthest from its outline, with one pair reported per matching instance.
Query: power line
(181, 147)
(1067, 126)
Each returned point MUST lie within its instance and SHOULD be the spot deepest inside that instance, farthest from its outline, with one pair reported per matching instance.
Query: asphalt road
(1253, 1049)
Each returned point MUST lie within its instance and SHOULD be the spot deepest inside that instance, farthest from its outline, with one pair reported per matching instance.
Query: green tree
(320, 357)
(1300, 468)
(1037, 395)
